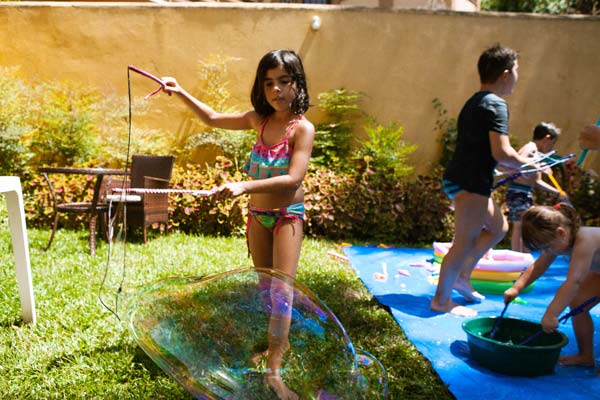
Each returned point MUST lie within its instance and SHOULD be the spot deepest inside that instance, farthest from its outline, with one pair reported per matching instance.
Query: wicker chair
(146, 209)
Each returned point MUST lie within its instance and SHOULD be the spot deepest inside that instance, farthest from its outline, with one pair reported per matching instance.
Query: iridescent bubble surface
(235, 334)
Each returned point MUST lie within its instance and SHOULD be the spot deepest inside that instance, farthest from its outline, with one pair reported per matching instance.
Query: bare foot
(577, 360)
(466, 290)
(453, 308)
(279, 387)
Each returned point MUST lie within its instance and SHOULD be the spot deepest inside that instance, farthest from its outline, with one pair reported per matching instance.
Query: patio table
(96, 207)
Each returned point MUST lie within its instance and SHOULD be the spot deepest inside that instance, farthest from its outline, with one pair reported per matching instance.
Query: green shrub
(213, 90)
(206, 215)
(334, 139)
(447, 132)
(14, 106)
(583, 189)
(65, 124)
(543, 6)
(383, 152)
(372, 208)
(65, 133)
(111, 118)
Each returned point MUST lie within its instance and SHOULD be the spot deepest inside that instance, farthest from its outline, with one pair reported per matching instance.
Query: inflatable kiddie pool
(495, 272)
(495, 260)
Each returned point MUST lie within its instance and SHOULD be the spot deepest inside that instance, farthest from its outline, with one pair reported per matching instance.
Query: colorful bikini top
(269, 161)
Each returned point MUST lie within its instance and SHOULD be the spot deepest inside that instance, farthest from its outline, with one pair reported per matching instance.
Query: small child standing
(482, 143)
(519, 193)
(556, 230)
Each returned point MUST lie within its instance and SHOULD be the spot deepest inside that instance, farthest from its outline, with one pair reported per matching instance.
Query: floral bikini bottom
(271, 218)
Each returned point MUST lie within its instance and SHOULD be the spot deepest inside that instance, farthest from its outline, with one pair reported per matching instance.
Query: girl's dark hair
(293, 65)
(539, 224)
(493, 61)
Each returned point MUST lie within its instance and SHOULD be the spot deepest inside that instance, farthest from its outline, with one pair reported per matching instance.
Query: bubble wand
(154, 78)
(585, 151)
(527, 171)
(577, 310)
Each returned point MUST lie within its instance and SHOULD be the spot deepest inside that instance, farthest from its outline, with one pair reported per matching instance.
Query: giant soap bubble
(230, 335)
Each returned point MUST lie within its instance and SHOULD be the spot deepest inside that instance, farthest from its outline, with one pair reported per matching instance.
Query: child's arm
(581, 258)
(530, 275)
(504, 153)
(234, 121)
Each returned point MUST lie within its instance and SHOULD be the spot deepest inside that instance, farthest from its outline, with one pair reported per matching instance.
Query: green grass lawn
(78, 349)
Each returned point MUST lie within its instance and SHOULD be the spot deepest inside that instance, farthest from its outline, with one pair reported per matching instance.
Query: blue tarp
(440, 338)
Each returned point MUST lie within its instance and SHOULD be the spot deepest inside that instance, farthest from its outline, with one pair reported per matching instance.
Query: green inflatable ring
(495, 287)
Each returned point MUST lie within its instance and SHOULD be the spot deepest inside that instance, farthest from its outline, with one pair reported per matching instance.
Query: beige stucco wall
(401, 59)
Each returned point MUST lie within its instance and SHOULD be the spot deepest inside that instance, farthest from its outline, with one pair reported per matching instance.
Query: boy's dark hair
(544, 129)
(494, 61)
(293, 65)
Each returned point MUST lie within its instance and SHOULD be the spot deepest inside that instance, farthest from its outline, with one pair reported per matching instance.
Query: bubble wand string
(194, 192)
(585, 151)
(122, 206)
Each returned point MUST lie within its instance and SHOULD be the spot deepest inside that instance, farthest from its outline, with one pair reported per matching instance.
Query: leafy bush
(206, 215)
(543, 6)
(583, 188)
(64, 124)
(334, 139)
(339, 206)
(384, 153)
(213, 90)
(111, 118)
(14, 100)
(447, 132)
(65, 133)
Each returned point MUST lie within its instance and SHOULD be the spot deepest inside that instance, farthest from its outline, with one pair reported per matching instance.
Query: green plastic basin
(503, 354)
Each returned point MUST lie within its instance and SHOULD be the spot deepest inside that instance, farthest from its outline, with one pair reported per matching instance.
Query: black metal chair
(97, 207)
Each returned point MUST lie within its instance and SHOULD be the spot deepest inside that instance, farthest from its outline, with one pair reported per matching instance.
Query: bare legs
(479, 225)
(516, 241)
(280, 251)
(583, 325)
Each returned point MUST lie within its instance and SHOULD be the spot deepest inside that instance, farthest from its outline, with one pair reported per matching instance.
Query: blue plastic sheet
(440, 338)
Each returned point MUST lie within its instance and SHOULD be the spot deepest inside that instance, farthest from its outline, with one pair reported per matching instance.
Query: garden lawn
(79, 349)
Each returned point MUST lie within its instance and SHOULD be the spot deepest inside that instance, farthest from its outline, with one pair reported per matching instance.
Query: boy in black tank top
(482, 143)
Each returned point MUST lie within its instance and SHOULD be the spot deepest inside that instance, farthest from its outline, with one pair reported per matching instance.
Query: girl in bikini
(277, 166)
